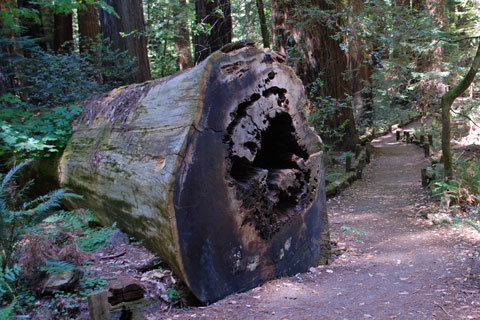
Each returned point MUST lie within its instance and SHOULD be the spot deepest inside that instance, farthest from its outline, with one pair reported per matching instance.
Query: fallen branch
(437, 304)
(113, 256)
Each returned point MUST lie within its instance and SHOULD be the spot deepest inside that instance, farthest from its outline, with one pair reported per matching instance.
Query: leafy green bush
(29, 133)
(323, 109)
(36, 115)
(464, 186)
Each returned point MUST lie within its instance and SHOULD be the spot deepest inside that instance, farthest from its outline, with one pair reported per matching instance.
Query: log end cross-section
(216, 168)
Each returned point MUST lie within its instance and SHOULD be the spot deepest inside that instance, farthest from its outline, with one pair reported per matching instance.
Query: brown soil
(405, 267)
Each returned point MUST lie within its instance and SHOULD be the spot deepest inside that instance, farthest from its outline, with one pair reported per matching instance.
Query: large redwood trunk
(88, 26)
(320, 56)
(215, 167)
(360, 70)
(63, 32)
(221, 27)
(128, 33)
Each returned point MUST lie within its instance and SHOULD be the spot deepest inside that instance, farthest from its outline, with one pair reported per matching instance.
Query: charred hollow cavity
(274, 186)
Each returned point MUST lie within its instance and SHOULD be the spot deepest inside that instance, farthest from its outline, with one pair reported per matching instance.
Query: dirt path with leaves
(405, 267)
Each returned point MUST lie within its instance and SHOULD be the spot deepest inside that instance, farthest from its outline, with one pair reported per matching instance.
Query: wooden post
(426, 149)
(359, 172)
(424, 178)
(358, 149)
(406, 134)
(398, 134)
(368, 151)
(348, 162)
(98, 306)
(430, 139)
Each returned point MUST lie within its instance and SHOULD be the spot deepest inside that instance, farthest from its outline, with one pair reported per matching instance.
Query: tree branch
(466, 117)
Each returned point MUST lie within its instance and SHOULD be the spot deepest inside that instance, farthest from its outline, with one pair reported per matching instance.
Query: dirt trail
(404, 268)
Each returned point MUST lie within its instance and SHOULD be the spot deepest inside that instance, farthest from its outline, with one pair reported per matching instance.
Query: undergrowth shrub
(322, 110)
(19, 216)
(463, 189)
(37, 111)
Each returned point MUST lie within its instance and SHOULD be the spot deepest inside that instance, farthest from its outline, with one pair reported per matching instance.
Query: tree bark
(446, 103)
(360, 71)
(221, 27)
(88, 26)
(63, 32)
(215, 167)
(131, 24)
(263, 24)
(182, 42)
(320, 56)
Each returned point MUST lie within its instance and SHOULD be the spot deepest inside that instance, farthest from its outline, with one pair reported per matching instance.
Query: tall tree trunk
(321, 57)
(88, 26)
(360, 71)
(221, 27)
(447, 101)
(182, 42)
(131, 24)
(263, 24)
(63, 32)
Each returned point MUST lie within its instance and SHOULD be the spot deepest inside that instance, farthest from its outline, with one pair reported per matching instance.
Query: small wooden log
(430, 139)
(406, 134)
(424, 177)
(348, 162)
(98, 306)
(426, 149)
(397, 134)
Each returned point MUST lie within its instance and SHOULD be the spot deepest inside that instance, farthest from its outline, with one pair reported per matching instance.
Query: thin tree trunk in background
(263, 24)
(321, 56)
(88, 26)
(446, 103)
(131, 24)
(221, 27)
(182, 42)
(63, 32)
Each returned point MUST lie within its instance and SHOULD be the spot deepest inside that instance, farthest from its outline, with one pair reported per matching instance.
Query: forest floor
(391, 258)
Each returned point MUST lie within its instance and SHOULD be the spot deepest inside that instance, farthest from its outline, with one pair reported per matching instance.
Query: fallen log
(216, 168)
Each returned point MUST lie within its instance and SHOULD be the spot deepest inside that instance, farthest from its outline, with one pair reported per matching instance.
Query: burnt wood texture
(215, 167)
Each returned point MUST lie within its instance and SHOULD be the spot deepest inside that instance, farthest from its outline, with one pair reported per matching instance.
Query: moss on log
(216, 168)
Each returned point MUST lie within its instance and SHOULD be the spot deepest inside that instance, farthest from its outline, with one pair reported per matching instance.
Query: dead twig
(113, 256)
(438, 305)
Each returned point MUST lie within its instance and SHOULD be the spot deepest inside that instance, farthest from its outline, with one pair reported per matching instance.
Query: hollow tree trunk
(216, 168)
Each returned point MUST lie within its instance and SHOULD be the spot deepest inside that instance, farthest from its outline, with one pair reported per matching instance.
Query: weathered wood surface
(216, 168)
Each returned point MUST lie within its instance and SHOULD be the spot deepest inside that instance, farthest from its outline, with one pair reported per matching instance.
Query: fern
(15, 220)
(6, 313)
